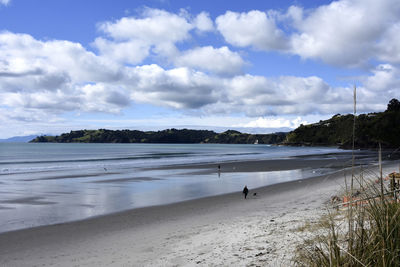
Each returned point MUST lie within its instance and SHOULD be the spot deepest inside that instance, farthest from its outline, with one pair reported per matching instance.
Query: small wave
(138, 157)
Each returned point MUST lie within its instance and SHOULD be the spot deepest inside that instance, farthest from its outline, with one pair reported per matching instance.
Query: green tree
(394, 105)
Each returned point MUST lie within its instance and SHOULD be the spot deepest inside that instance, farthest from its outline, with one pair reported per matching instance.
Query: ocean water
(45, 183)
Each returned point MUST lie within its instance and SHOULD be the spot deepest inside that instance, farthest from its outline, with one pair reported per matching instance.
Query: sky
(256, 66)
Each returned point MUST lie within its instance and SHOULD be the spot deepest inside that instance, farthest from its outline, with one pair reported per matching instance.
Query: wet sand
(223, 230)
(334, 161)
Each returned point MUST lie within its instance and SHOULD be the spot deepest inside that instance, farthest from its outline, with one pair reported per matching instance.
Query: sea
(50, 183)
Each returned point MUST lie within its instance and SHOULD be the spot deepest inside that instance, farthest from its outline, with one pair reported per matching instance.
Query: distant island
(371, 129)
(18, 139)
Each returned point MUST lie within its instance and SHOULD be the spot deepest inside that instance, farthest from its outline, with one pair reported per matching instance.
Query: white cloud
(260, 96)
(295, 14)
(133, 38)
(61, 76)
(50, 75)
(389, 45)
(343, 32)
(153, 32)
(155, 27)
(131, 52)
(4, 2)
(347, 33)
(252, 90)
(385, 79)
(54, 77)
(23, 53)
(102, 97)
(180, 88)
(24, 116)
(218, 60)
(273, 122)
(254, 28)
(203, 22)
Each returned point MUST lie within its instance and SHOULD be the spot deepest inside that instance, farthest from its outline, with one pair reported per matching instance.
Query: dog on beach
(254, 194)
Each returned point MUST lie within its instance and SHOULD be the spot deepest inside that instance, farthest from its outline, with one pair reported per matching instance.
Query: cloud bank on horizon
(164, 59)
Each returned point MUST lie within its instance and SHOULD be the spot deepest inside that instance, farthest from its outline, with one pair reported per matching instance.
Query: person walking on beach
(245, 191)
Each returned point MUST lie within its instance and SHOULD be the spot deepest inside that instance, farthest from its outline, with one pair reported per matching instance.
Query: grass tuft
(371, 239)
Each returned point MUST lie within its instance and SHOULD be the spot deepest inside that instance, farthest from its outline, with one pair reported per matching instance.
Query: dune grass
(366, 233)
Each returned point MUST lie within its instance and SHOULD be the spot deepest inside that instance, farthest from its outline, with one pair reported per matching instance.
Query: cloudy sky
(156, 64)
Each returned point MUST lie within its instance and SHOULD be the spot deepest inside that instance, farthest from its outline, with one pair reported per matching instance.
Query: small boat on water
(256, 142)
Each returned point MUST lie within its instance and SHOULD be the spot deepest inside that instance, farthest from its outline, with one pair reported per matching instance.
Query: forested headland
(183, 136)
(370, 130)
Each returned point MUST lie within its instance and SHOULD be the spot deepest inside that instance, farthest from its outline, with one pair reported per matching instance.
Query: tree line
(183, 136)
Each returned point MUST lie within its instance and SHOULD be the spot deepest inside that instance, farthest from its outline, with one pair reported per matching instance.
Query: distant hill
(371, 129)
(18, 139)
(184, 136)
(235, 137)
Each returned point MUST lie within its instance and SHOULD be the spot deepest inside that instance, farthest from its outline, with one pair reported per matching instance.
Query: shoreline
(184, 233)
(43, 195)
(322, 164)
(149, 209)
(241, 166)
(327, 160)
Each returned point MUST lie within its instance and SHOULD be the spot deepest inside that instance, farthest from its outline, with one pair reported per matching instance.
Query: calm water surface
(48, 183)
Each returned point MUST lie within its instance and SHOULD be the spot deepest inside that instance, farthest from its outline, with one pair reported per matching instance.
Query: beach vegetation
(393, 106)
(369, 235)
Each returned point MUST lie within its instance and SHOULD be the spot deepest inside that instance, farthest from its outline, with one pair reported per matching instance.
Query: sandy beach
(224, 230)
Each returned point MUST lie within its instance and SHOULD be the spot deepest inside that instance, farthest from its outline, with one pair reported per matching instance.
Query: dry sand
(223, 230)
